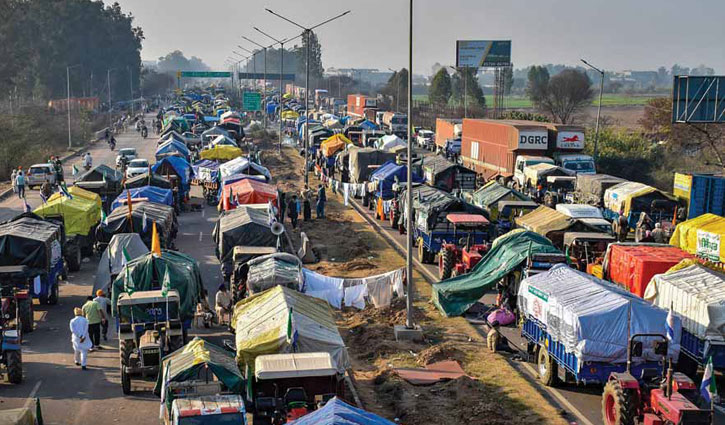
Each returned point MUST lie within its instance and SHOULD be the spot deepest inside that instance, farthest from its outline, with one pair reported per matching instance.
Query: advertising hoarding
(483, 53)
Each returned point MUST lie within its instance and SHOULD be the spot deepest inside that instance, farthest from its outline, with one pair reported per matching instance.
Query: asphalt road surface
(68, 394)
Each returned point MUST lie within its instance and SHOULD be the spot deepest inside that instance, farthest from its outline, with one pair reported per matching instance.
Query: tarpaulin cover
(633, 266)
(697, 295)
(185, 364)
(206, 170)
(271, 270)
(118, 222)
(148, 272)
(112, 258)
(456, 295)
(334, 144)
(703, 236)
(144, 179)
(178, 166)
(619, 197)
(389, 142)
(172, 148)
(337, 412)
(241, 227)
(215, 131)
(490, 194)
(97, 173)
(388, 174)
(222, 140)
(261, 323)
(79, 192)
(237, 177)
(153, 194)
(432, 205)
(221, 152)
(30, 242)
(544, 221)
(363, 161)
(171, 135)
(369, 125)
(80, 215)
(242, 165)
(290, 115)
(247, 191)
(596, 184)
(592, 318)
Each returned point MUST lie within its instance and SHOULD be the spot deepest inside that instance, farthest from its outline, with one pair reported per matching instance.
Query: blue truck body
(48, 280)
(700, 350)
(702, 193)
(434, 240)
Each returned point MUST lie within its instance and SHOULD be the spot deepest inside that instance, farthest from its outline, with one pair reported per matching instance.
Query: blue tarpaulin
(386, 176)
(271, 108)
(369, 125)
(172, 147)
(337, 412)
(151, 193)
(175, 165)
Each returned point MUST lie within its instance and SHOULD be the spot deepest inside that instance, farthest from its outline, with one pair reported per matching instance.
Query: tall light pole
(264, 87)
(397, 96)
(599, 109)
(67, 76)
(254, 56)
(130, 81)
(409, 188)
(307, 32)
(110, 105)
(247, 67)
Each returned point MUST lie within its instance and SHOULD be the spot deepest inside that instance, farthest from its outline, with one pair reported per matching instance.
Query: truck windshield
(579, 166)
(400, 120)
(227, 418)
(531, 162)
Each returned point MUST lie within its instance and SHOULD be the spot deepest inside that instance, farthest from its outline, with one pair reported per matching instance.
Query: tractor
(651, 399)
(462, 254)
(11, 357)
(16, 301)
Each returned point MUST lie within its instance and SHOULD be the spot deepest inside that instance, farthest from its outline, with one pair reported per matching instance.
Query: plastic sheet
(268, 271)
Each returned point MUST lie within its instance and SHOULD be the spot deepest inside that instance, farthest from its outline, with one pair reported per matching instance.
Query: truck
(359, 105)
(700, 194)
(566, 143)
(396, 123)
(447, 128)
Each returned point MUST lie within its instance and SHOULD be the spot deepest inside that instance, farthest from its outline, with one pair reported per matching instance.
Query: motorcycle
(144, 132)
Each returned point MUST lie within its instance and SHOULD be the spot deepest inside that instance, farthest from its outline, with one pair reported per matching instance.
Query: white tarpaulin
(697, 296)
(241, 165)
(390, 141)
(589, 316)
(112, 258)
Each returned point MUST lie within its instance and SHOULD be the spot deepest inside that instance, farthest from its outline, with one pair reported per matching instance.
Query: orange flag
(155, 242)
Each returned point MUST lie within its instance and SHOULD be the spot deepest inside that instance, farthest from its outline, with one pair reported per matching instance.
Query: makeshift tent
(80, 216)
(206, 170)
(195, 358)
(550, 223)
(222, 140)
(334, 144)
(337, 412)
(118, 221)
(244, 226)
(282, 320)
(363, 162)
(332, 124)
(456, 295)
(112, 259)
(78, 192)
(290, 115)
(221, 153)
(389, 174)
(491, 193)
(172, 148)
(213, 132)
(389, 142)
(268, 271)
(99, 173)
(170, 136)
(431, 206)
(147, 273)
(590, 188)
(592, 318)
(147, 193)
(632, 197)
(32, 242)
(247, 191)
(697, 295)
(368, 125)
(441, 173)
(242, 165)
(703, 236)
(145, 179)
(174, 165)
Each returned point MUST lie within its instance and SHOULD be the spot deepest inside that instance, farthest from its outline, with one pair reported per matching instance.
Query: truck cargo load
(447, 128)
(591, 318)
(700, 193)
(551, 224)
(590, 188)
(491, 193)
(445, 175)
(702, 236)
(363, 162)
(634, 198)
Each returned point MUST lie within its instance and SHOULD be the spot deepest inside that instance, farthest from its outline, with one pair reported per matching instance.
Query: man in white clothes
(80, 338)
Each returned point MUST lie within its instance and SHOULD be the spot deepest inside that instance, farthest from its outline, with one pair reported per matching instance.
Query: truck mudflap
(700, 350)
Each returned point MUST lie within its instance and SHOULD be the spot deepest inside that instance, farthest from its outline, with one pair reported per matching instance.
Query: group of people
(17, 177)
(89, 323)
(302, 204)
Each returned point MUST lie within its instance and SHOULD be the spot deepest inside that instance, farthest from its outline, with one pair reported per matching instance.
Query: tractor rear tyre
(25, 315)
(54, 294)
(619, 406)
(423, 254)
(445, 263)
(73, 257)
(125, 348)
(546, 367)
(15, 366)
(125, 381)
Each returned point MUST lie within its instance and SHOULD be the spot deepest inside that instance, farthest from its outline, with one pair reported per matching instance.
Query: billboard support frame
(694, 107)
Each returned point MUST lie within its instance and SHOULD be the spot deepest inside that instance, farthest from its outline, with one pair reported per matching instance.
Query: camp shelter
(79, 192)
(290, 115)
(206, 170)
(337, 412)
(221, 153)
(112, 258)
(172, 148)
(389, 174)
(488, 197)
(268, 271)
(590, 188)
(119, 221)
(213, 133)
(242, 165)
(29, 241)
(146, 273)
(170, 136)
(333, 124)
(363, 162)
(334, 144)
(244, 226)
(193, 362)
(282, 320)
(431, 206)
(147, 193)
(247, 191)
(368, 125)
(100, 173)
(702, 236)
(441, 173)
(634, 198)
(222, 140)
(537, 173)
(390, 141)
(80, 216)
(551, 224)
(456, 295)
(177, 166)
(147, 179)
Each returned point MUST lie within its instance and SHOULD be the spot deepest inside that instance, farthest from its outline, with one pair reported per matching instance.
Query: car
(39, 174)
(426, 139)
(136, 167)
(129, 153)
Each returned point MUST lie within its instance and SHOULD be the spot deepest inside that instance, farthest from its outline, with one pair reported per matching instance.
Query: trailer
(447, 128)
(700, 193)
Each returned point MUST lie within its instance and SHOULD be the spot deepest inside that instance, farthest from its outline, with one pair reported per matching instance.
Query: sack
(502, 316)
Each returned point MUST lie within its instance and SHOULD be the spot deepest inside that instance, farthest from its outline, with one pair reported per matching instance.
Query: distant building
(636, 79)
(373, 77)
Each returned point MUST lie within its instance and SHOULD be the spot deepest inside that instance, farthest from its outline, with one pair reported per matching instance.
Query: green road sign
(252, 101)
(205, 74)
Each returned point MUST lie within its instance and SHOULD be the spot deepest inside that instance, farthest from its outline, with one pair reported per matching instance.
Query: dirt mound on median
(441, 352)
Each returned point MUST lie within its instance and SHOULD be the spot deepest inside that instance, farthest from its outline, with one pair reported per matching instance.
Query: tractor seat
(295, 395)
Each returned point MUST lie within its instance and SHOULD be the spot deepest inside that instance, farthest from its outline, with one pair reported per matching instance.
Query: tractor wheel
(546, 367)
(25, 315)
(73, 257)
(619, 406)
(125, 381)
(54, 294)
(422, 251)
(14, 366)
(445, 263)
(125, 349)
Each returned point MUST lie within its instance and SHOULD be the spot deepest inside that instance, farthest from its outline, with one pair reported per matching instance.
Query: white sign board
(570, 140)
(533, 140)
(708, 245)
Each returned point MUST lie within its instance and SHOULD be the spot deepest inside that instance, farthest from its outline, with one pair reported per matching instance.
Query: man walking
(13, 176)
(95, 316)
(105, 304)
(292, 211)
(321, 200)
(306, 203)
(79, 338)
(20, 183)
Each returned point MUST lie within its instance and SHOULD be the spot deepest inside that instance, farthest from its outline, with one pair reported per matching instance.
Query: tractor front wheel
(14, 366)
(547, 367)
(445, 263)
(125, 381)
(25, 315)
(73, 257)
(423, 253)
(54, 294)
(618, 405)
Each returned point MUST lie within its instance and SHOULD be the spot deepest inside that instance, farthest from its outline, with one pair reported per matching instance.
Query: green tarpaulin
(456, 295)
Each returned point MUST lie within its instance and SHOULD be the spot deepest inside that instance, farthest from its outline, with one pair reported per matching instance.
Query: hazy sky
(613, 34)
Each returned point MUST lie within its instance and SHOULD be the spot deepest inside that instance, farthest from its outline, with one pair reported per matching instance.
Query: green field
(607, 100)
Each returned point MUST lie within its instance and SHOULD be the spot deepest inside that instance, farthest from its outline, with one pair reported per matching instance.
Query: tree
(397, 88)
(316, 69)
(508, 79)
(538, 84)
(176, 61)
(465, 79)
(565, 94)
(440, 88)
(156, 83)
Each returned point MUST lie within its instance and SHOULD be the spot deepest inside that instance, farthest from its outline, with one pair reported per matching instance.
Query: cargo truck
(566, 143)
(447, 128)
(359, 105)
(700, 194)
(395, 123)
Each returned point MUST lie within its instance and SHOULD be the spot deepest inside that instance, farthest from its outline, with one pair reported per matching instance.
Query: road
(68, 394)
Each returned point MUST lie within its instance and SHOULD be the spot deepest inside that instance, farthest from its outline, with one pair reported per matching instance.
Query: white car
(38, 174)
(136, 167)
(129, 153)
(426, 139)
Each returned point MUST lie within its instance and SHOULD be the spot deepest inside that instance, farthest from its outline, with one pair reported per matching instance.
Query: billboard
(203, 74)
(697, 99)
(570, 140)
(483, 53)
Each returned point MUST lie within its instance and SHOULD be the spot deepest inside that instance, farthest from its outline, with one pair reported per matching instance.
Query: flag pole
(130, 209)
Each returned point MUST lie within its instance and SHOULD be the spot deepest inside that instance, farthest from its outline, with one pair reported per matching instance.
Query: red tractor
(652, 399)
(470, 243)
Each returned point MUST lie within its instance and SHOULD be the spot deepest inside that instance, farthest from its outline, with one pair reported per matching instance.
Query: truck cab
(208, 410)
(523, 161)
(577, 163)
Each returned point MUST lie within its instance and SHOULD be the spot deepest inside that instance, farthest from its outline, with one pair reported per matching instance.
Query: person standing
(223, 305)
(105, 305)
(14, 175)
(292, 211)
(95, 316)
(306, 204)
(321, 200)
(20, 183)
(80, 338)
(282, 205)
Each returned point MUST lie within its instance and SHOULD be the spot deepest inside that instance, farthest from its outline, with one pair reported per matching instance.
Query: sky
(613, 34)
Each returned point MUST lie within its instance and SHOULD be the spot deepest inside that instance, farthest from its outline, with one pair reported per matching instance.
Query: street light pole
(409, 188)
(264, 87)
(130, 81)
(599, 108)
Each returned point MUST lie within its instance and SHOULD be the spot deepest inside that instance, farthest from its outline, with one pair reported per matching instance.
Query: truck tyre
(25, 315)
(445, 263)
(422, 251)
(619, 406)
(73, 257)
(15, 366)
(546, 367)
(125, 381)
(54, 294)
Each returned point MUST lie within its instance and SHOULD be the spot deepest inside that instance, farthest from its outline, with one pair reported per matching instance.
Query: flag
(64, 191)
(155, 242)
(26, 207)
(166, 283)
(104, 218)
(670, 326)
(128, 285)
(104, 178)
(144, 227)
(232, 198)
(74, 170)
(125, 258)
(42, 197)
(291, 330)
(708, 388)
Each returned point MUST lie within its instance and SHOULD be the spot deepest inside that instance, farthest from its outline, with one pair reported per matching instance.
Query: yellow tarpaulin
(221, 153)
(290, 115)
(79, 214)
(81, 193)
(703, 236)
(334, 144)
(544, 220)
(620, 196)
